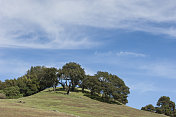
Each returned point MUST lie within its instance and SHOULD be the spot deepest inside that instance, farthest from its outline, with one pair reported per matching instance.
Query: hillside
(54, 104)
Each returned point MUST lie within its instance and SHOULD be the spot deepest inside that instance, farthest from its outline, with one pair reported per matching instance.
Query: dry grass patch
(17, 110)
(76, 103)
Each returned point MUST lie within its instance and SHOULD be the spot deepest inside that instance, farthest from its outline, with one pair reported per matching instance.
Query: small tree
(149, 107)
(165, 106)
(72, 73)
(50, 77)
(36, 74)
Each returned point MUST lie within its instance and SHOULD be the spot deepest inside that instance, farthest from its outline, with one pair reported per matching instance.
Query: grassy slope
(54, 104)
(8, 109)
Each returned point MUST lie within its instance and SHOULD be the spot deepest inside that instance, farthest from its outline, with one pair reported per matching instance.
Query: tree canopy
(71, 75)
(149, 107)
(164, 106)
(92, 83)
(12, 92)
(113, 87)
(50, 77)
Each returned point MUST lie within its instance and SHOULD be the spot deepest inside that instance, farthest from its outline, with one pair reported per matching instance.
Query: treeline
(164, 106)
(70, 76)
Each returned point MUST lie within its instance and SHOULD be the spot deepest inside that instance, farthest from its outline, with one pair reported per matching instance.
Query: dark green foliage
(9, 83)
(1, 85)
(163, 101)
(109, 87)
(37, 70)
(113, 87)
(12, 92)
(27, 85)
(149, 107)
(37, 79)
(36, 74)
(50, 78)
(92, 83)
(1, 91)
(2, 95)
(165, 106)
(72, 73)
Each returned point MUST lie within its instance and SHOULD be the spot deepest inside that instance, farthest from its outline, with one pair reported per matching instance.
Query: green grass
(76, 103)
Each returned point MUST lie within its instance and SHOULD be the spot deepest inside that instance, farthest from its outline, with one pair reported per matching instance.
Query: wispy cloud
(130, 54)
(49, 24)
(121, 53)
(134, 63)
(89, 72)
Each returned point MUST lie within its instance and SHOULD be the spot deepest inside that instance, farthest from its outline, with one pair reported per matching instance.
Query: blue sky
(133, 39)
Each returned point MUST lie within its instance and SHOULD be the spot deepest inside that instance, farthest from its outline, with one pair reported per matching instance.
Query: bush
(12, 92)
(1, 91)
(2, 96)
(149, 107)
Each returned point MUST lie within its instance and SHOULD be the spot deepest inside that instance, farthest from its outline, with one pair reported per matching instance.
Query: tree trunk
(63, 86)
(66, 83)
(92, 92)
(82, 89)
(54, 88)
(68, 91)
(73, 86)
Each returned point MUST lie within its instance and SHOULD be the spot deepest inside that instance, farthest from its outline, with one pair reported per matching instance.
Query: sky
(133, 39)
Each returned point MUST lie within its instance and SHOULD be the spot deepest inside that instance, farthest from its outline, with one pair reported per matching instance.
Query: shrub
(149, 107)
(2, 96)
(12, 92)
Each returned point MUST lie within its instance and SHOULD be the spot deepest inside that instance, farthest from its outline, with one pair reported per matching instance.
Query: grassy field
(57, 104)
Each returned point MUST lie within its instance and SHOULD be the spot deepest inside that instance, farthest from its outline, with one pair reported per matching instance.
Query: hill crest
(76, 104)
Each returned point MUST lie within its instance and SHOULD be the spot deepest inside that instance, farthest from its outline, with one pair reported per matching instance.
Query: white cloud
(121, 53)
(89, 71)
(130, 54)
(49, 23)
(138, 64)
